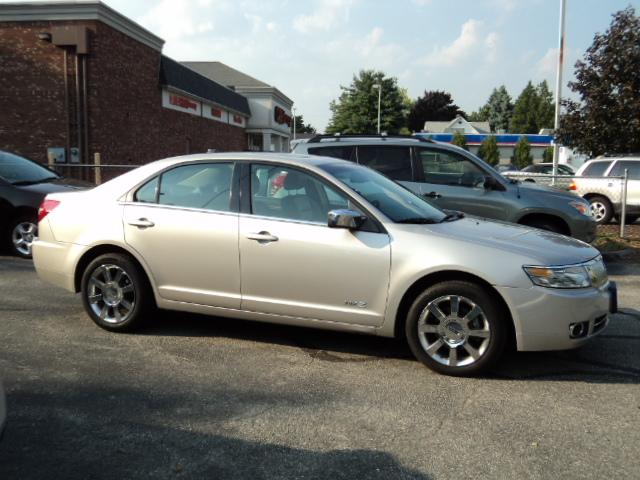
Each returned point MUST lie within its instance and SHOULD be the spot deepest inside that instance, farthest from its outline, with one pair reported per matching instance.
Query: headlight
(582, 207)
(589, 274)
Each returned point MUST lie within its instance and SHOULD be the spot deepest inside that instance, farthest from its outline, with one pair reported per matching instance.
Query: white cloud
(175, 19)
(422, 3)
(548, 63)
(471, 41)
(328, 15)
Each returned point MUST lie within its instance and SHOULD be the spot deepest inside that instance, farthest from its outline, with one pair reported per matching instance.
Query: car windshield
(20, 171)
(392, 199)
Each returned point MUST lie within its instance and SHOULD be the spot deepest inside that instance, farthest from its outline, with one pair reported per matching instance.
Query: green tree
(356, 110)
(489, 151)
(522, 153)
(500, 109)
(301, 127)
(546, 112)
(525, 111)
(459, 140)
(434, 106)
(606, 119)
(480, 115)
(547, 155)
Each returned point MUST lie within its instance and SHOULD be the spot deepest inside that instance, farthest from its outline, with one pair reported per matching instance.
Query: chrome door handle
(262, 237)
(142, 223)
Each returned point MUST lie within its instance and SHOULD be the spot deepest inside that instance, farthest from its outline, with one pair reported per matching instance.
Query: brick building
(78, 78)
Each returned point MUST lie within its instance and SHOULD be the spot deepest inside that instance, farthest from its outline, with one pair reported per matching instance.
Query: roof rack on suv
(383, 136)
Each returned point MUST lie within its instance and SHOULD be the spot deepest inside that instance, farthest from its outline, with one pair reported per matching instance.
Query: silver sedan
(319, 242)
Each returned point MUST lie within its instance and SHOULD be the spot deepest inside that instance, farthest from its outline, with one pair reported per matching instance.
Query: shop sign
(178, 102)
(281, 117)
(236, 120)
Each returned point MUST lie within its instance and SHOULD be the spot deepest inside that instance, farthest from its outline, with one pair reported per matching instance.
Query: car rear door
(633, 185)
(185, 226)
(293, 264)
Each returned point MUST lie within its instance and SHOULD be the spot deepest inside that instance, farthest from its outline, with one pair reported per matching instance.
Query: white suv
(596, 182)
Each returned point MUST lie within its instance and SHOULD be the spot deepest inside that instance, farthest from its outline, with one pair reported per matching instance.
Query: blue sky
(309, 48)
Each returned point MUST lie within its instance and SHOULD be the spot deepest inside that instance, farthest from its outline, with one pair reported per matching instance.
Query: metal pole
(556, 150)
(294, 122)
(379, 97)
(623, 213)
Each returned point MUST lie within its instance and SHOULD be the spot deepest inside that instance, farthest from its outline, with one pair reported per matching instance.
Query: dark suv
(455, 179)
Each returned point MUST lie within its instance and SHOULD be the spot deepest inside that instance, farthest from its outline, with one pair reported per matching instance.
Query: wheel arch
(561, 222)
(102, 249)
(447, 275)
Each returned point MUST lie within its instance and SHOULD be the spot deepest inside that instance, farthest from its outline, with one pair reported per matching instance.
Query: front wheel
(115, 292)
(601, 209)
(455, 328)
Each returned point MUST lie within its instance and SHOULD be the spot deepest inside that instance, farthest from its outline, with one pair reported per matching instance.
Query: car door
(453, 181)
(185, 226)
(293, 264)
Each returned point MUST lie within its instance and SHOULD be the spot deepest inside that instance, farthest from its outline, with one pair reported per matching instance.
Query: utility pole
(379, 87)
(561, 41)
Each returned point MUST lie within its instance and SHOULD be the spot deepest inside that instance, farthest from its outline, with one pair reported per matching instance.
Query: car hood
(546, 248)
(58, 185)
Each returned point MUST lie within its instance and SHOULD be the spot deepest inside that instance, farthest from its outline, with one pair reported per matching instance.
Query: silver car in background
(319, 242)
(598, 181)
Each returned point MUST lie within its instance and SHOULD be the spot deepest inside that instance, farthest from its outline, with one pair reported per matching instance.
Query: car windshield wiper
(417, 220)
(452, 216)
(33, 182)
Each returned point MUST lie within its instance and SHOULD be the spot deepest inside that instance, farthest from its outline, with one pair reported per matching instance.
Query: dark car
(547, 168)
(23, 185)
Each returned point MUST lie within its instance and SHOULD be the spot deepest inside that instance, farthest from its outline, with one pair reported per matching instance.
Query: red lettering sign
(182, 102)
(216, 112)
(237, 119)
(280, 116)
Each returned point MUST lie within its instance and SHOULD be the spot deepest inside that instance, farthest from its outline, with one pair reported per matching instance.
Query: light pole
(293, 110)
(379, 87)
(556, 148)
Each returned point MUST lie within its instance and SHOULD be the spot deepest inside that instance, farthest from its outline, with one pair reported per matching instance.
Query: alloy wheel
(454, 331)
(598, 210)
(111, 294)
(22, 237)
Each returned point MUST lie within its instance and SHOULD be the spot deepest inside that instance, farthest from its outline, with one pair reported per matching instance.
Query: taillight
(573, 186)
(46, 207)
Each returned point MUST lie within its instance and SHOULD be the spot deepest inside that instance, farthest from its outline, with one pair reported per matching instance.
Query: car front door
(452, 181)
(185, 227)
(293, 264)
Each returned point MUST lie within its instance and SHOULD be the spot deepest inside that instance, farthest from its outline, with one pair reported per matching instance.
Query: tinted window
(449, 168)
(395, 201)
(631, 166)
(200, 185)
(148, 192)
(15, 169)
(596, 169)
(336, 152)
(564, 170)
(292, 194)
(394, 162)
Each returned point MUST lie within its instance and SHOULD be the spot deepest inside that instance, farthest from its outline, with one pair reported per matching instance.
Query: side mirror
(344, 218)
(491, 183)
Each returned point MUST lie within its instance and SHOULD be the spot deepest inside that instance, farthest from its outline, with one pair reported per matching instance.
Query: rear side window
(449, 168)
(201, 185)
(344, 153)
(596, 169)
(631, 166)
(394, 162)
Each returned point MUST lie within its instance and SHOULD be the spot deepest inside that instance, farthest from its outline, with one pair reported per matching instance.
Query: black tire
(628, 219)
(20, 235)
(491, 318)
(116, 301)
(601, 209)
(546, 223)
(530, 180)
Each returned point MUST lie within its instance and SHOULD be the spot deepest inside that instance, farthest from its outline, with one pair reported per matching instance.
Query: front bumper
(543, 316)
(584, 228)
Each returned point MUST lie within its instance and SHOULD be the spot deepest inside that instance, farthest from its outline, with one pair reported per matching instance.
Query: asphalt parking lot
(199, 397)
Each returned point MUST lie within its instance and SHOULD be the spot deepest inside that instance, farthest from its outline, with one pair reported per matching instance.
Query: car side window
(449, 168)
(291, 194)
(632, 167)
(596, 169)
(394, 162)
(342, 152)
(147, 193)
(201, 185)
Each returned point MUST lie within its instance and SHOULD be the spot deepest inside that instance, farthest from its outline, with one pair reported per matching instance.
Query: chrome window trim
(177, 207)
(286, 220)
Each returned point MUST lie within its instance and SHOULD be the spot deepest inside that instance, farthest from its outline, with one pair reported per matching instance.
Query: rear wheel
(115, 292)
(22, 232)
(601, 209)
(455, 328)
